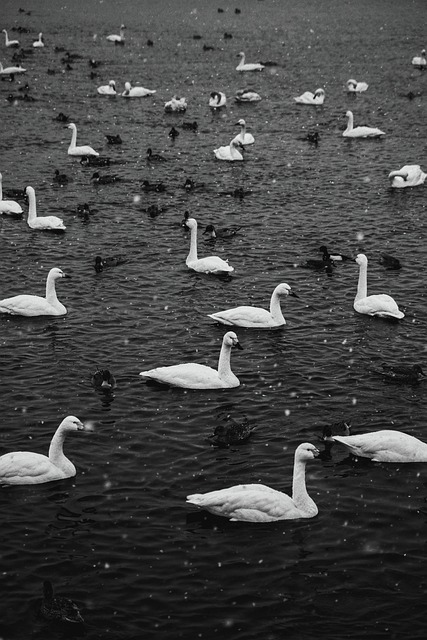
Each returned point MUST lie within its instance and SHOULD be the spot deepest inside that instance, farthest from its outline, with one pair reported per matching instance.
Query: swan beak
(293, 294)
(238, 345)
(65, 275)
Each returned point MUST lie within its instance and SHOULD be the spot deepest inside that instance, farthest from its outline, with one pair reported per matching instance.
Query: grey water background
(119, 538)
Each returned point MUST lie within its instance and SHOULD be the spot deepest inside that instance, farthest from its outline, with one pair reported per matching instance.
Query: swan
(248, 66)
(217, 99)
(192, 375)
(417, 61)
(26, 467)
(176, 105)
(247, 95)
(230, 152)
(43, 223)
(259, 503)
(118, 39)
(37, 44)
(8, 207)
(256, 317)
(11, 71)
(386, 445)
(31, 306)
(381, 305)
(73, 150)
(243, 137)
(356, 87)
(360, 132)
(10, 43)
(210, 264)
(316, 98)
(136, 92)
(58, 608)
(108, 89)
(410, 175)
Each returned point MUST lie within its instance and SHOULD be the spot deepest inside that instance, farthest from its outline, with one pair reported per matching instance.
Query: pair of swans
(248, 66)
(41, 223)
(356, 87)
(243, 137)
(385, 445)
(74, 150)
(316, 98)
(27, 467)
(410, 175)
(8, 207)
(361, 131)
(31, 306)
(210, 264)
(217, 99)
(381, 305)
(230, 153)
(118, 38)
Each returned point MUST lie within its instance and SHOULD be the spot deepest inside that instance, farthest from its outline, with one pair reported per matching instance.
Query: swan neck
(349, 122)
(73, 138)
(276, 309)
(51, 291)
(192, 256)
(56, 453)
(299, 491)
(224, 368)
(1, 190)
(32, 212)
(362, 285)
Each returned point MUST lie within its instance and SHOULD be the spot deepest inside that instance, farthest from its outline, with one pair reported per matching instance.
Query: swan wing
(306, 97)
(10, 206)
(378, 305)
(190, 375)
(25, 467)
(386, 446)
(27, 305)
(244, 316)
(210, 264)
(47, 222)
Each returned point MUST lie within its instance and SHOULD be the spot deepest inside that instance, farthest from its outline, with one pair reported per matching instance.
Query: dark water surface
(119, 538)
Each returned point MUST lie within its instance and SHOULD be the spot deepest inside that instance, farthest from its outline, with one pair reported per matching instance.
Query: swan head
(231, 340)
(127, 86)
(319, 92)
(349, 114)
(191, 223)
(237, 145)
(351, 82)
(241, 54)
(241, 122)
(284, 289)
(306, 451)
(361, 259)
(122, 26)
(71, 423)
(112, 84)
(398, 174)
(56, 273)
(71, 126)
(29, 191)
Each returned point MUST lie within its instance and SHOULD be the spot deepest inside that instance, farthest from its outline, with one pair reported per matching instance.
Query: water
(119, 538)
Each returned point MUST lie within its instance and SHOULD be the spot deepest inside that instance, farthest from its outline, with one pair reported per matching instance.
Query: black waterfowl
(106, 179)
(60, 178)
(104, 380)
(227, 36)
(224, 233)
(84, 211)
(208, 47)
(154, 210)
(114, 139)
(190, 126)
(389, 262)
(58, 608)
(173, 133)
(335, 429)
(231, 433)
(409, 374)
(191, 185)
(95, 161)
(336, 257)
(25, 87)
(154, 157)
(184, 220)
(94, 63)
(313, 137)
(158, 187)
(325, 264)
(150, 43)
(113, 261)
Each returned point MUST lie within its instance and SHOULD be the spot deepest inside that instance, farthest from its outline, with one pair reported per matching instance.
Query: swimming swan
(408, 176)
(73, 150)
(10, 43)
(230, 152)
(210, 264)
(118, 39)
(247, 95)
(11, 71)
(256, 317)
(316, 98)
(8, 207)
(108, 89)
(192, 375)
(58, 608)
(360, 132)
(356, 87)
(176, 105)
(386, 445)
(42, 223)
(217, 99)
(26, 467)
(30, 306)
(37, 44)
(136, 92)
(243, 137)
(259, 503)
(381, 305)
(420, 61)
(248, 66)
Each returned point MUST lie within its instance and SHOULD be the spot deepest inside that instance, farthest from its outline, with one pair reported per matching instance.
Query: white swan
(84, 150)
(230, 152)
(248, 66)
(37, 44)
(420, 61)
(31, 306)
(176, 105)
(210, 264)
(10, 43)
(381, 305)
(8, 207)
(256, 317)
(11, 71)
(259, 503)
(410, 175)
(192, 375)
(136, 92)
(360, 132)
(27, 467)
(246, 95)
(217, 99)
(118, 39)
(356, 87)
(386, 445)
(42, 223)
(243, 137)
(108, 89)
(316, 98)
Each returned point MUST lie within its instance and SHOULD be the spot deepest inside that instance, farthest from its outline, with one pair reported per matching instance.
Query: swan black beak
(293, 294)
(239, 346)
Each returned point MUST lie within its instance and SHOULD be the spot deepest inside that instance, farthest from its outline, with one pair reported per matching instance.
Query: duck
(420, 61)
(190, 126)
(192, 375)
(154, 210)
(158, 187)
(335, 257)
(248, 66)
(360, 132)
(41, 223)
(217, 99)
(114, 138)
(257, 317)
(118, 39)
(173, 133)
(106, 179)
(185, 220)
(31, 306)
(381, 305)
(60, 178)
(409, 175)
(230, 153)
(154, 157)
(27, 467)
(39, 44)
(385, 445)
(231, 433)
(11, 71)
(210, 264)
(108, 89)
(58, 608)
(62, 117)
(334, 429)
(316, 98)
(389, 262)
(225, 233)
(243, 137)
(84, 211)
(136, 92)
(356, 87)
(191, 185)
(247, 95)
(402, 373)
(8, 207)
(10, 43)
(260, 503)
(95, 161)
(176, 105)
(313, 137)
(113, 261)
(73, 149)
(103, 379)
(325, 264)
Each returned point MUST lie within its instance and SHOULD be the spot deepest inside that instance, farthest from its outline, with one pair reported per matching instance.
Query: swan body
(217, 99)
(381, 305)
(118, 39)
(31, 306)
(42, 223)
(246, 95)
(73, 149)
(356, 87)
(8, 207)
(259, 503)
(38, 44)
(136, 92)
(26, 467)
(176, 105)
(108, 89)
(210, 264)
(316, 98)
(386, 445)
(360, 132)
(11, 71)
(192, 375)
(256, 317)
(243, 138)
(58, 608)
(248, 66)
(10, 43)
(229, 152)
(420, 61)
(410, 175)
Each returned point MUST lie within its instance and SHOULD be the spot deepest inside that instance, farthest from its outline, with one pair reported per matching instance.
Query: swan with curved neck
(26, 467)
(41, 223)
(420, 61)
(10, 43)
(38, 44)
(118, 39)
(248, 66)
(108, 89)
(8, 207)
(381, 305)
(356, 87)
(260, 503)
(136, 92)
(360, 132)
(30, 305)
(243, 138)
(256, 317)
(410, 175)
(316, 98)
(217, 99)
(73, 149)
(209, 264)
(229, 152)
(192, 375)
(386, 445)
